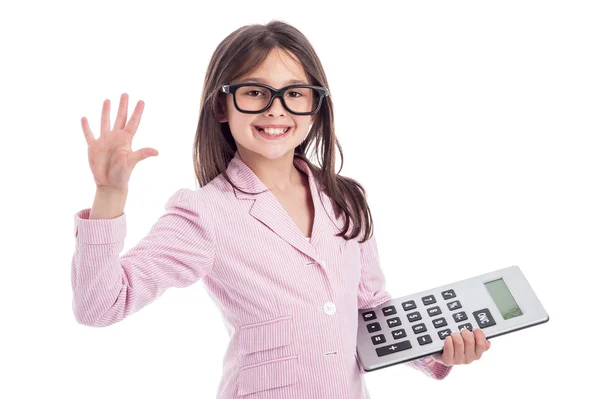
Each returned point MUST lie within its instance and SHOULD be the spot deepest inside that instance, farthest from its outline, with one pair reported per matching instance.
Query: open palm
(110, 156)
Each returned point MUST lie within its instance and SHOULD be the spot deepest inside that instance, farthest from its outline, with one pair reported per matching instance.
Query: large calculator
(414, 326)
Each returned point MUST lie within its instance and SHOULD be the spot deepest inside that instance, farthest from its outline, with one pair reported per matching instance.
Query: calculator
(414, 326)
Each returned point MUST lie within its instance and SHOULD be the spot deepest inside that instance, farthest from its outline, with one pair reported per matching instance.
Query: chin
(272, 153)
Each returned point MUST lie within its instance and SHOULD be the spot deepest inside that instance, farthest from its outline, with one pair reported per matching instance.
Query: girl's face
(277, 70)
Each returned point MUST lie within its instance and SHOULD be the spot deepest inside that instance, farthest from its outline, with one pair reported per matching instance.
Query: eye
(253, 91)
(294, 92)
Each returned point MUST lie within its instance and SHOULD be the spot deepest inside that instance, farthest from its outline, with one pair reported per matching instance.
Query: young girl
(284, 247)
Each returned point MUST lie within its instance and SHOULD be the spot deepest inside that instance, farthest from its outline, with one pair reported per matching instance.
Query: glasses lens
(298, 99)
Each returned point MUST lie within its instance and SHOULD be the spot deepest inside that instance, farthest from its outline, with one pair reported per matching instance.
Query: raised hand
(110, 157)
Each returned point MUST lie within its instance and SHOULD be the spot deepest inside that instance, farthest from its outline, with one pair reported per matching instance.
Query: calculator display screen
(503, 298)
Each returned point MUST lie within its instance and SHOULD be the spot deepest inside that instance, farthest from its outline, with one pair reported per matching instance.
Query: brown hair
(241, 52)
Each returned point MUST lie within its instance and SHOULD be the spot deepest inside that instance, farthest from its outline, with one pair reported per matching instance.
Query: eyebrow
(289, 82)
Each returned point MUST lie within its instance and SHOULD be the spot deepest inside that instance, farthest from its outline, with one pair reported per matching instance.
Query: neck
(278, 175)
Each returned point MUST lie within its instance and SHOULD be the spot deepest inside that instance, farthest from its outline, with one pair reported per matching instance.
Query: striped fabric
(289, 302)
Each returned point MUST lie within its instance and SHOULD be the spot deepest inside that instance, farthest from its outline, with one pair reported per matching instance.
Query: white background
(474, 127)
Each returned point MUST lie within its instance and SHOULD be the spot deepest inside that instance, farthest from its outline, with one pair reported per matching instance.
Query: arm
(178, 251)
(372, 293)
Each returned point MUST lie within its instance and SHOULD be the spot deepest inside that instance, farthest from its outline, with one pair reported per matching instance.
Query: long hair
(240, 53)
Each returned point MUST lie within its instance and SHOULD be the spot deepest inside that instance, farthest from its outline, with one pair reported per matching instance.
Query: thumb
(142, 154)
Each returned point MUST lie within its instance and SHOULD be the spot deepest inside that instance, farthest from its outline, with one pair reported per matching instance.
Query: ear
(222, 115)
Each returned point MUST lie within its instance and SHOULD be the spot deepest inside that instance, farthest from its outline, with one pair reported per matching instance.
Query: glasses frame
(323, 92)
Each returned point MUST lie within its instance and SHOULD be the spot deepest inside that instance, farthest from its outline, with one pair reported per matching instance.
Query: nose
(277, 107)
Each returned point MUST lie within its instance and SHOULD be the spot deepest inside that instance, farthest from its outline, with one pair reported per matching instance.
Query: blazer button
(329, 308)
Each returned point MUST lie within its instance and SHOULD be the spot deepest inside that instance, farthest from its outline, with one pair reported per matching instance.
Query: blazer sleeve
(372, 293)
(178, 251)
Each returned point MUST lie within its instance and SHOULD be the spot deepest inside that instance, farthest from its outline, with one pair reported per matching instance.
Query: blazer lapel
(269, 211)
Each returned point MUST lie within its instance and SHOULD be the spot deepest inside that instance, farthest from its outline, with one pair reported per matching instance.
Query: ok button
(329, 308)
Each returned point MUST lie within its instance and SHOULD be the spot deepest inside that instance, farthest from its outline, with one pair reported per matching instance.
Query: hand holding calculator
(415, 326)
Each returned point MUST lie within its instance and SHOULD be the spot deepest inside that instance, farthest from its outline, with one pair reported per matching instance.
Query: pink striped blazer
(290, 302)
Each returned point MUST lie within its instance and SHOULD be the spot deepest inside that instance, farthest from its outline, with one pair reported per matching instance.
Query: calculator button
(484, 318)
(378, 339)
(454, 305)
(397, 347)
(460, 316)
(409, 305)
(448, 294)
(444, 333)
(388, 310)
(419, 328)
(397, 334)
(434, 311)
(428, 300)
(424, 339)
(369, 316)
(441, 322)
(414, 316)
(373, 327)
(468, 326)
(393, 322)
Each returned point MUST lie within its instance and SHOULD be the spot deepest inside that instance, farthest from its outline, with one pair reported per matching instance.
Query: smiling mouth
(273, 131)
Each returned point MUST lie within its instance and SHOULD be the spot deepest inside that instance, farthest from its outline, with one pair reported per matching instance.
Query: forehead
(278, 69)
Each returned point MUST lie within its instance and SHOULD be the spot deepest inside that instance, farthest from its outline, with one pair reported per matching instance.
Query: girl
(284, 247)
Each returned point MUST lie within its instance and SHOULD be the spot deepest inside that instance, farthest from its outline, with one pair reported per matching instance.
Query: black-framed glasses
(254, 98)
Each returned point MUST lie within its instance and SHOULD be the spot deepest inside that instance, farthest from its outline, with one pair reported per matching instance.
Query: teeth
(271, 130)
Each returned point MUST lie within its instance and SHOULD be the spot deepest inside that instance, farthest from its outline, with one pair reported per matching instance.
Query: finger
(480, 342)
(105, 120)
(459, 348)
(448, 352)
(87, 132)
(134, 121)
(142, 154)
(122, 113)
(469, 340)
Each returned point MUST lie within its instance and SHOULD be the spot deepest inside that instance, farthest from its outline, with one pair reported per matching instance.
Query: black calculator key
(409, 305)
(448, 294)
(378, 339)
(454, 305)
(428, 300)
(460, 316)
(441, 322)
(468, 326)
(394, 322)
(424, 339)
(388, 310)
(414, 316)
(369, 315)
(434, 311)
(484, 318)
(397, 347)
(444, 333)
(419, 328)
(373, 327)
(397, 334)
